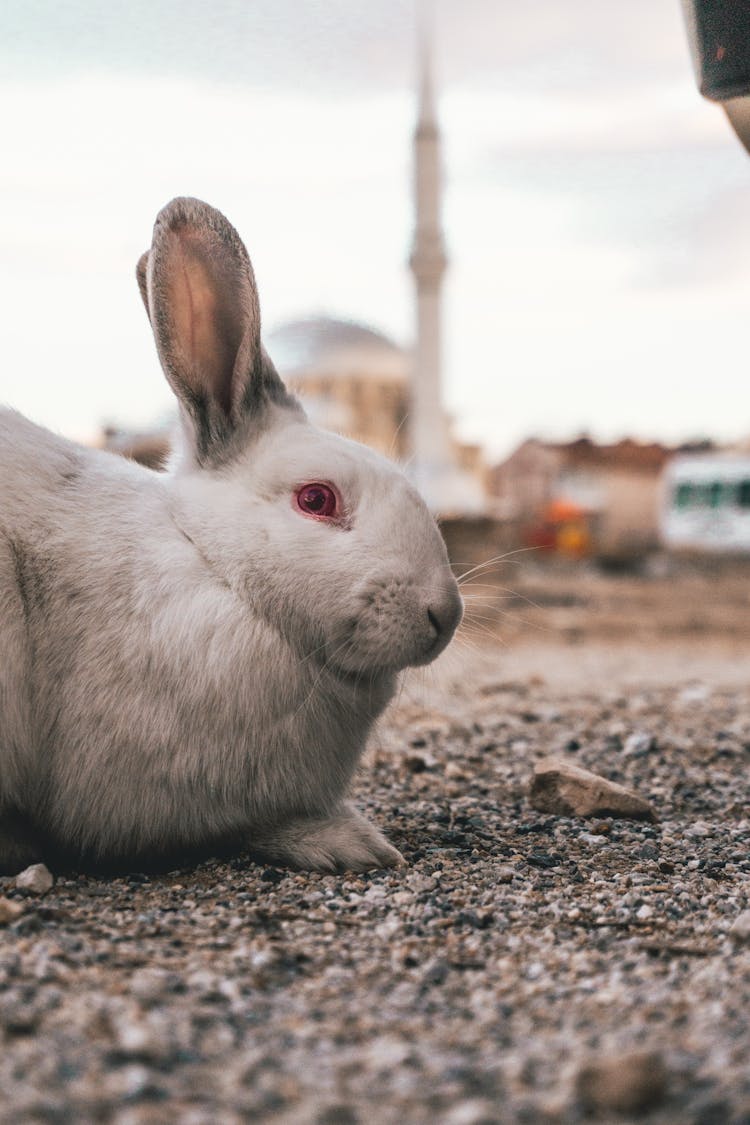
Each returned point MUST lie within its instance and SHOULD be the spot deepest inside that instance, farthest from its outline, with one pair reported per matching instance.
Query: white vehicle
(706, 503)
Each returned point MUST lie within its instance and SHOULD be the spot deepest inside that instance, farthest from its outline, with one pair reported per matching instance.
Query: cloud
(267, 43)
(541, 45)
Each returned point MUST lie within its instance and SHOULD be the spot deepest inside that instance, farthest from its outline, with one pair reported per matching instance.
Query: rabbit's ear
(141, 273)
(203, 306)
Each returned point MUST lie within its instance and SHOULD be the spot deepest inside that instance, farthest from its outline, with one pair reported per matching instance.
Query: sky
(597, 210)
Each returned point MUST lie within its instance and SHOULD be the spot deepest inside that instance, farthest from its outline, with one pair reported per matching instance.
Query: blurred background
(593, 313)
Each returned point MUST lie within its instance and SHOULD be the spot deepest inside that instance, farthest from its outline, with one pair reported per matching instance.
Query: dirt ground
(521, 968)
(575, 625)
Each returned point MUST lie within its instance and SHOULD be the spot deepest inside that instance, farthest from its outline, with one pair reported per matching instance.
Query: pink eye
(317, 500)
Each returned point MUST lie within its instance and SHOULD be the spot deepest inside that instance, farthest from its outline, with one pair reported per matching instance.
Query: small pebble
(9, 911)
(638, 744)
(505, 874)
(629, 1083)
(36, 880)
(739, 931)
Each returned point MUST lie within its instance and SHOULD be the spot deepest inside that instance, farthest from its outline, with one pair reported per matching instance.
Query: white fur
(187, 659)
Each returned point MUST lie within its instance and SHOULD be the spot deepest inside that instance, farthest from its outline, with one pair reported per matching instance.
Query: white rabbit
(197, 657)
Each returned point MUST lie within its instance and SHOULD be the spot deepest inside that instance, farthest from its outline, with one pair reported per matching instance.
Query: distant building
(706, 502)
(148, 447)
(615, 489)
(350, 378)
(450, 483)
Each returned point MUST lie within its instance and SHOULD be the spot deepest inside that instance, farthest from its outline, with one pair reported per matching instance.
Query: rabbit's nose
(444, 614)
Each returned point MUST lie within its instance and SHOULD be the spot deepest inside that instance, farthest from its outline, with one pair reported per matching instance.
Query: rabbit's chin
(367, 663)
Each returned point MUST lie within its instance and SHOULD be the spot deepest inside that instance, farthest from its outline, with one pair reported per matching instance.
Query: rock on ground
(740, 928)
(9, 910)
(560, 787)
(37, 879)
(629, 1083)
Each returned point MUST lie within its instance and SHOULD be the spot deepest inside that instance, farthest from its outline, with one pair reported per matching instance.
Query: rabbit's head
(326, 540)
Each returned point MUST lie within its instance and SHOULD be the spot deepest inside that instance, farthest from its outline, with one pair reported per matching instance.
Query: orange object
(573, 539)
(562, 511)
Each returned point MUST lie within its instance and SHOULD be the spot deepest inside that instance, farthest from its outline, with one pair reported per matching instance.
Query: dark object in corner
(719, 34)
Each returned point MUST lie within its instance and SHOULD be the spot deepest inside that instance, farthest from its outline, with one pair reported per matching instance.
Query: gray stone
(9, 911)
(150, 985)
(629, 1083)
(740, 928)
(638, 744)
(37, 879)
(564, 789)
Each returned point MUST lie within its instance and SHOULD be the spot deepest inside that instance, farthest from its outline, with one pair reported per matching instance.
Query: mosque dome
(326, 346)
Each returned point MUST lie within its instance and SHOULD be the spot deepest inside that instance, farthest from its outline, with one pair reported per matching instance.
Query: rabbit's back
(59, 531)
(34, 465)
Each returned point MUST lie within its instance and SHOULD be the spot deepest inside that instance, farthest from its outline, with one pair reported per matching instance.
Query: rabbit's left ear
(199, 289)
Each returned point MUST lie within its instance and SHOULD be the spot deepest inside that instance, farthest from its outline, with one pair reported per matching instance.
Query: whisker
(491, 562)
(401, 425)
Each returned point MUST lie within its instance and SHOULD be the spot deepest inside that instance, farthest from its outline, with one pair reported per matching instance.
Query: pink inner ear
(206, 317)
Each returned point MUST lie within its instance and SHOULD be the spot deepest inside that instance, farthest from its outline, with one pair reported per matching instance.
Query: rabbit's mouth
(398, 626)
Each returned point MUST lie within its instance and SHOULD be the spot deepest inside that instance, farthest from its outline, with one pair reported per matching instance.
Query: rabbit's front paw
(344, 841)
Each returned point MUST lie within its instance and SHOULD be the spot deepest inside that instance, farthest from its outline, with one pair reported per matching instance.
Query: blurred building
(604, 499)
(147, 447)
(350, 378)
(706, 502)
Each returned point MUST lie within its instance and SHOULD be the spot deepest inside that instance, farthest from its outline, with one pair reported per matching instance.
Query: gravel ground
(521, 968)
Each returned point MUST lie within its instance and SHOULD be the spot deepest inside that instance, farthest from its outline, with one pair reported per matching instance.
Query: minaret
(429, 439)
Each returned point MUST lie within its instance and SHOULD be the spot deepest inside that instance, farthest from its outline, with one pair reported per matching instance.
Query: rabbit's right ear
(141, 273)
(200, 294)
